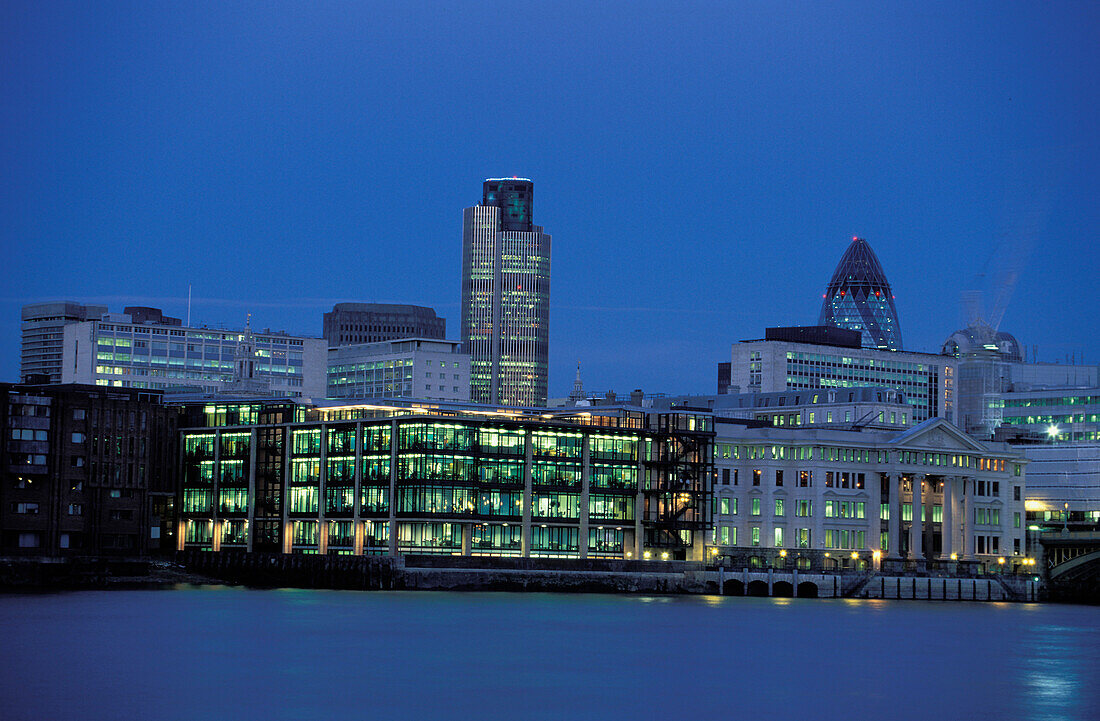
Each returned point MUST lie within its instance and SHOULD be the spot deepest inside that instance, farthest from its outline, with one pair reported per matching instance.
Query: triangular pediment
(937, 434)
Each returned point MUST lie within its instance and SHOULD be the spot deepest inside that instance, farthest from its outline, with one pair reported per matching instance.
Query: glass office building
(506, 296)
(858, 297)
(414, 478)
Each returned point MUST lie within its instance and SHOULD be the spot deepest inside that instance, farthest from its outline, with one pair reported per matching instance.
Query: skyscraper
(859, 298)
(506, 296)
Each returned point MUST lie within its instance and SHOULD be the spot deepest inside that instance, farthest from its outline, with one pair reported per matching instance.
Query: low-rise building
(853, 493)
(840, 408)
(409, 477)
(86, 470)
(404, 368)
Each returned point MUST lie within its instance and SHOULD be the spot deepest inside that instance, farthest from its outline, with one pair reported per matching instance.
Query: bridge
(1070, 563)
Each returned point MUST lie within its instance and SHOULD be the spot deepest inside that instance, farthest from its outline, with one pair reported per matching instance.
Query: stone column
(968, 519)
(894, 527)
(947, 528)
(916, 529)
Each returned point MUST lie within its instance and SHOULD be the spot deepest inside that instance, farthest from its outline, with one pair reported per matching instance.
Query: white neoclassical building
(853, 493)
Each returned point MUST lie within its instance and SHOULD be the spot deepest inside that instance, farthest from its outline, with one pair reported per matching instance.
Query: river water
(230, 653)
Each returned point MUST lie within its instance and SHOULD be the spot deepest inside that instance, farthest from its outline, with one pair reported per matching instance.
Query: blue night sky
(701, 167)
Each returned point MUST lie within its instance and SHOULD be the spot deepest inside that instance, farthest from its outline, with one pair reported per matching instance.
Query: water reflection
(232, 653)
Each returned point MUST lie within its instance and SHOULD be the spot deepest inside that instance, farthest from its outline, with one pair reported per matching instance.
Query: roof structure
(858, 297)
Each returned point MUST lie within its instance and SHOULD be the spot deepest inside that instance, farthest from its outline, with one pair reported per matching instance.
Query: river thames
(231, 653)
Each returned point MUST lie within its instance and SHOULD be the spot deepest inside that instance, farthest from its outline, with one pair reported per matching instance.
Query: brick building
(86, 470)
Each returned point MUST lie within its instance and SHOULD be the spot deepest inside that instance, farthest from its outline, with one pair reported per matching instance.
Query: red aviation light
(878, 294)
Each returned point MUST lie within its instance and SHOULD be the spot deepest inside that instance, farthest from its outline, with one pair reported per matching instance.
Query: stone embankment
(465, 573)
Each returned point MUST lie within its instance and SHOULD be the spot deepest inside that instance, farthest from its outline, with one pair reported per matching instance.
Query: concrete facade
(43, 336)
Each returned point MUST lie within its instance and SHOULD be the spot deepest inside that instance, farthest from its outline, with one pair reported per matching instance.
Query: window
(79, 414)
(779, 509)
(725, 476)
(804, 509)
(778, 538)
(27, 509)
(76, 509)
(778, 478)
(78, 437)
(756, 473)
(756, 535)
(755, 507)
(76, 461)
(1016, 492)
(725, 506)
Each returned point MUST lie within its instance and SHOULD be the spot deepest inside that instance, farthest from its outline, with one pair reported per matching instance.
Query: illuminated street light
(1052, 430)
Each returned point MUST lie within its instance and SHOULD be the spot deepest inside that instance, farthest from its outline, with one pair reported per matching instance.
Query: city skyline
(701, 205)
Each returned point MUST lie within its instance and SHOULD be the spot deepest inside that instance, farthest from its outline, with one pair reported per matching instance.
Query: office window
(756, 474)
(778, 538)
(756, 535)
(778, 478)
(725, 476)
(779, 509)
(724, 505)
(755, 509)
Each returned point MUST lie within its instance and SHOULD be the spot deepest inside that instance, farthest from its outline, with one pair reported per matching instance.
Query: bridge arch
(733, 587)
(807, 589)
(782, 589)
(1075, 565)
(757, 588)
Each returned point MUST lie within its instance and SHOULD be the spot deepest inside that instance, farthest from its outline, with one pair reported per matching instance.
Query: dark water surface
(227, 653)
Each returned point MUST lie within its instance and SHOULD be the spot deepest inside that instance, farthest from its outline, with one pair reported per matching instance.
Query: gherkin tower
(859, 298)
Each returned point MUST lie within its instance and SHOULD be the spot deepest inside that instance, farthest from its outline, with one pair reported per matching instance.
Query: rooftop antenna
(188, 305)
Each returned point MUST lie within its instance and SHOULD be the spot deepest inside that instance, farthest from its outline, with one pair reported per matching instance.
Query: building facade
(772, 366)
(506, 296)
(858, 297)
(853, 494)
(1063, 490)
(86, 471)
(839, 408)
(354, 323)
(43, 336)
(406, 368)
(415, 478)
(119, 352)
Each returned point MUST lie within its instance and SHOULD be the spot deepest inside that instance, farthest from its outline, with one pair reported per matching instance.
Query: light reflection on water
(231, 653)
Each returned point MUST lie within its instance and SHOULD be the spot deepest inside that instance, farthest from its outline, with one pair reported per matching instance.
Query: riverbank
(457, 573)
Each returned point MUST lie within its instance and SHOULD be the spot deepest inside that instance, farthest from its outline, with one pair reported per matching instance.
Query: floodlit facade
(416, 478)
(773, 366)
(858, 297)
(853, 494)
(506, 296)
(119, 351)
(405, 368)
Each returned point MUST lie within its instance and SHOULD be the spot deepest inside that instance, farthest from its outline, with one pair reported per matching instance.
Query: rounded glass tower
(859, 298)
